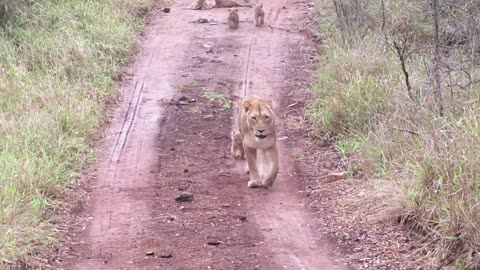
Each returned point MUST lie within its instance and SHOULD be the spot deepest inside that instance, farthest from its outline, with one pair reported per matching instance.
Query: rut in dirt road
(171, 134)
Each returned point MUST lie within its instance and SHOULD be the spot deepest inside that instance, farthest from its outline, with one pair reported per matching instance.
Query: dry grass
(362, 103)
(57, 59)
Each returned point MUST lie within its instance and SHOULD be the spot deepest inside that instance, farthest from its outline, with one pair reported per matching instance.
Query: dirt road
(171, 135)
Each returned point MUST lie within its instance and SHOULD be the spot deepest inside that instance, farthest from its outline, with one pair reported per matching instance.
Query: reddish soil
(171, 134)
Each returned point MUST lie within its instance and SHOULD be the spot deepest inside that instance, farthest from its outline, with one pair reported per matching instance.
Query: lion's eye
(266, 117)
(254, 118)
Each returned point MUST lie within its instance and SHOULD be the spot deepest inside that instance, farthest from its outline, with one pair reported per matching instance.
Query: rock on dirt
(213, 241)
(165, 254)
(336, 176)
(184, 197)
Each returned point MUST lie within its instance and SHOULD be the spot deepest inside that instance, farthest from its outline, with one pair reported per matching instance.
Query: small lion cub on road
(258, 14)
(233, 18)
(237, 146)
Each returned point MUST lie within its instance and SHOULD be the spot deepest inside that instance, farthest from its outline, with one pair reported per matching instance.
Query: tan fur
(256, 122)
(237, 146)
(233, 18)
(259, 14)
(229, 4)
(199, 4)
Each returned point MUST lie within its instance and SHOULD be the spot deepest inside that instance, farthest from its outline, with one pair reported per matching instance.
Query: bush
(361, 95)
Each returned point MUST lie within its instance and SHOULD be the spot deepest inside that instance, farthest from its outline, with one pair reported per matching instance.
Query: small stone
(184, 197)
(336, 176)
(166, 10)
(185, 170)
(150, 253)
(243, 218)
(212, 241)
(165, 254)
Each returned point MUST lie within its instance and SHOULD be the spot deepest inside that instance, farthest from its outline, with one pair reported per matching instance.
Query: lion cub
(237, 146)
(258, 14)
(233, 18)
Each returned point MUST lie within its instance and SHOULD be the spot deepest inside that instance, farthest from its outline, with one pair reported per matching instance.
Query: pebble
(184, 197)
(165, 254)
(213, 241)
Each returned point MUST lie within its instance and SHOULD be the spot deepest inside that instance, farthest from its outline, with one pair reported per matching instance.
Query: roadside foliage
(399, 84)
(57, 61)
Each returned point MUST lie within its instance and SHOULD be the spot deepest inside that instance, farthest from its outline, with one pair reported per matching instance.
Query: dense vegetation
(57, 60)
(399, 85)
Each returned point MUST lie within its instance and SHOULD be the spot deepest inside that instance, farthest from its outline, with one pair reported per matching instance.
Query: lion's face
(260, 119)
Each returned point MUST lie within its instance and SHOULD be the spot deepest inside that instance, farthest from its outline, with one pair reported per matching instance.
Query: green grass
(57, 60)
(213, 96)
(360, 103)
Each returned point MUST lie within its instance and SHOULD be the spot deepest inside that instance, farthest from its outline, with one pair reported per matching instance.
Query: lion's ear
(270, 103)
(247, 105)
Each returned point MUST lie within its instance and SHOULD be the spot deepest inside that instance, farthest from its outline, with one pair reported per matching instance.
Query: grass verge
(57, 61)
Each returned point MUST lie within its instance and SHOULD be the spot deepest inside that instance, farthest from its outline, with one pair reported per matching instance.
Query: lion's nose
(261, 130)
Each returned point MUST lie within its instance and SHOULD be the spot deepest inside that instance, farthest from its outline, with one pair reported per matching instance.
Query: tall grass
(57, 59)
(360, 96)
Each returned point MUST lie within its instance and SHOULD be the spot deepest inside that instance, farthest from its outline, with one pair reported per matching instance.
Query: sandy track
(157, 148)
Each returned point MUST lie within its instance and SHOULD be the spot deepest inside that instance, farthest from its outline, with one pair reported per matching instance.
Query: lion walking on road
(256, 122)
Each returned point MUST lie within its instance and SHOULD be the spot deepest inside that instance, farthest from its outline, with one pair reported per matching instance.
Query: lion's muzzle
(260, 134)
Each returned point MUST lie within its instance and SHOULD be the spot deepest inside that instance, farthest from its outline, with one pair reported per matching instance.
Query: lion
(258, 14)
(229, 4)
(256, 121)
(237, 146)
(199, 4)
(233, 18)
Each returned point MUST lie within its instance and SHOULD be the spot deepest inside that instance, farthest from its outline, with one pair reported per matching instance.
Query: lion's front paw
(254, 184)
